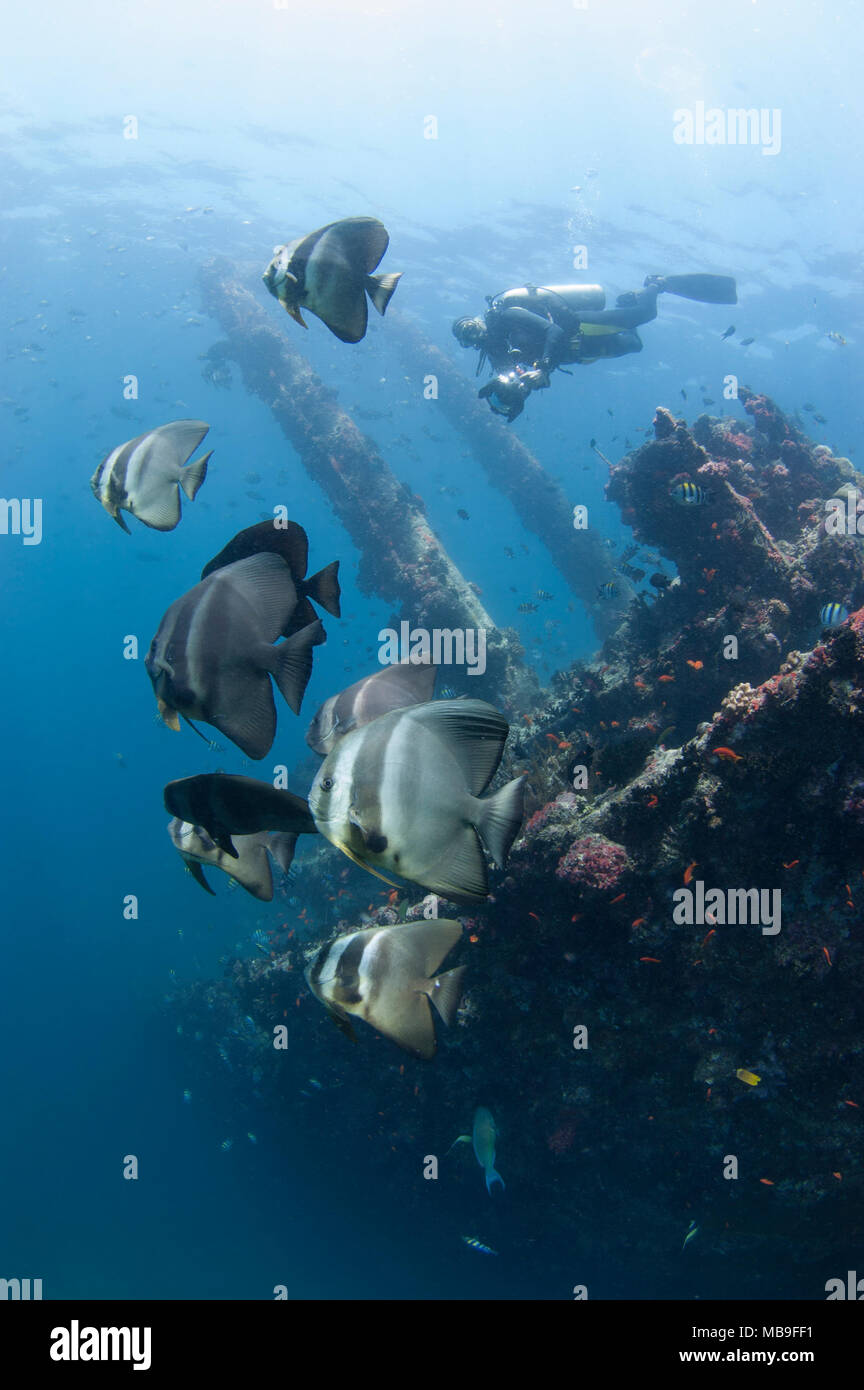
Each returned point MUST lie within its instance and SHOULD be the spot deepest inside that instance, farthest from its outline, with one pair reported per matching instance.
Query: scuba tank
(546, 299)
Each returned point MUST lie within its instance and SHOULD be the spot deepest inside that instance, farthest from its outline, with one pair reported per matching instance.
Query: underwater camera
(507, 392)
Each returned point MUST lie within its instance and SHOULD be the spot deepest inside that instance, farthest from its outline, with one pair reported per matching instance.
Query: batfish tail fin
(323, 587)
(193, 475)
(500, 819)
(292, 663)
(446, 992)
(281, 845)
(380, 288)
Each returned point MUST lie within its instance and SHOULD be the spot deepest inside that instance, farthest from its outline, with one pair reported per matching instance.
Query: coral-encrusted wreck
(718, 740)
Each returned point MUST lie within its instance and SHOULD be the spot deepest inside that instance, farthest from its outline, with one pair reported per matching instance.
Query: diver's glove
(537, 379)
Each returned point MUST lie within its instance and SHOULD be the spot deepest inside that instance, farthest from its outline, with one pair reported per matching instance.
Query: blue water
(254, 126)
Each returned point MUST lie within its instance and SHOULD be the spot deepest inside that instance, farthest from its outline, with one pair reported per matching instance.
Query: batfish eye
(327, 784)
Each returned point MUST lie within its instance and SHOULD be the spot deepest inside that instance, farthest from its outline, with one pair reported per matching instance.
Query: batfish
(393, 687)
(328, 272)
(404, 794)
(225, 804)
(251, 867)
(214, 653)
(385, 975)
(142, 475)
(288, 539)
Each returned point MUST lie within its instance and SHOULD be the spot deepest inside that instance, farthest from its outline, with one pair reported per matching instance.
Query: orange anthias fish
(728, 754)
(688, 872)
(697, 665)
(665, 678)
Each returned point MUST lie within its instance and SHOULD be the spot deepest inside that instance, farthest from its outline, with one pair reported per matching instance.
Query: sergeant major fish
(688, 494)
(833, 614)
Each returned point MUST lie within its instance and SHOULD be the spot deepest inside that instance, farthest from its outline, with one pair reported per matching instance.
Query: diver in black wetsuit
(527, 333)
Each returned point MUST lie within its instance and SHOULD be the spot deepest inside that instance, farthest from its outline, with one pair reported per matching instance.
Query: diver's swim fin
(708, 289)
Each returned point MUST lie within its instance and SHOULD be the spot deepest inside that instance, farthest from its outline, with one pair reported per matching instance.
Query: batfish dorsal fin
(263, 582)
(474, 733)
(362, 240)
(288, 540)
(176, 442)
(429, 942)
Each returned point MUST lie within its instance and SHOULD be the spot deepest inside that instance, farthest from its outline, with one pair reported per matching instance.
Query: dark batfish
(225, 804)
(288, 539)
(214, 653)
(385, 975)
(394, 687)
(142, 475)
(328, 272)
(251, 867)
(404, 794)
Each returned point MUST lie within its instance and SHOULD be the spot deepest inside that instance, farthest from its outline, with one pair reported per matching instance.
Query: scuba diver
(526, 334)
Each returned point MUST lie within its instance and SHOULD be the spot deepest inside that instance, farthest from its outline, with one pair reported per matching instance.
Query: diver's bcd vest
(545, 299)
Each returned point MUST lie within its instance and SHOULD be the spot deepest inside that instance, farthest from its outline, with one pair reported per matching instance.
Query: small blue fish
(689, 495)
(833, 614)
(607, 590)
(478, 1245)
(226, 1145)
(187, 1096)
(692, 1231)
(448, 693)
(251, 1137)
